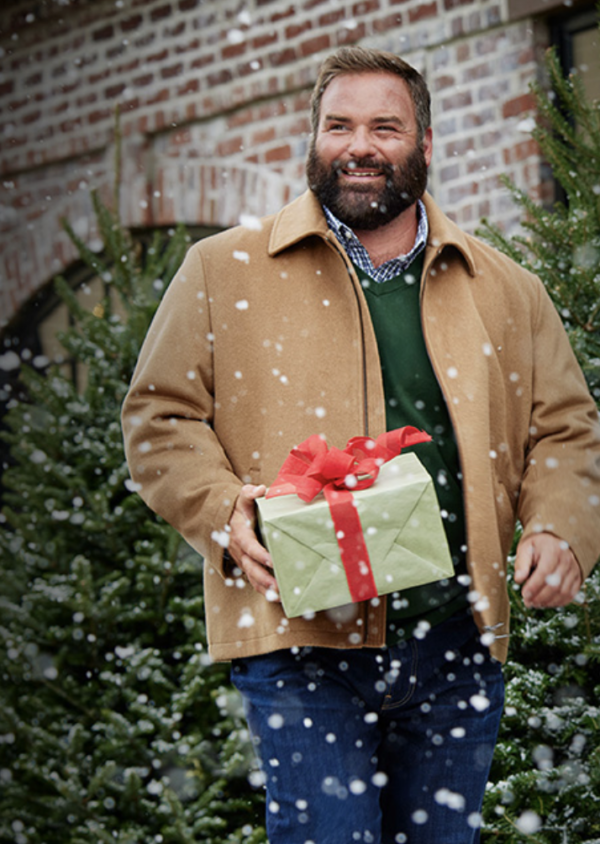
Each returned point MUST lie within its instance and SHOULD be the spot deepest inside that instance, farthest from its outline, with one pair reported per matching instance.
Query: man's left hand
(548, 570)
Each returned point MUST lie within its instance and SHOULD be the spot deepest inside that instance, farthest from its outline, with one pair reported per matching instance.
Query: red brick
(315, 45)
(128, 66)
(157, 57)
(173, 70)
(263, 136)
(460, 99)
(202, 61)
(424, 10)
(131, 23)
(518, 105)
(479, 71)
(175, 30)
(145, 79)
(103, 33)
(131, 105)
(99, 114)
(219, 78)
(293, 30)
(389, 22)
(350, 36)
(364, 7)
(283, 14)
(230, 51)
(31, 117)
(442, 82)
(332, 17)
(264, 40)
(453, 4)
(521, 151)
(282, 153)
(35, 79)
(86, 99)
(231, 146)
(114, 90)
(192, 86)
(115, 52)
(181, 136)
(144, 40)
(288, 54)
(194, 44)
(160, 13)
(98, 77)
(159, 97)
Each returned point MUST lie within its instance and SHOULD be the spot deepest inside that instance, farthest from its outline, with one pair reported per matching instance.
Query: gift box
(373, 528)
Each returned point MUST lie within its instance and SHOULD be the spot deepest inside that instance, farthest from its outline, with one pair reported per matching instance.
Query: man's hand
(548, 570)
(245, 549)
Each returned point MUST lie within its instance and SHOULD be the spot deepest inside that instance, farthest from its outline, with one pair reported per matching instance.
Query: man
(357, 308)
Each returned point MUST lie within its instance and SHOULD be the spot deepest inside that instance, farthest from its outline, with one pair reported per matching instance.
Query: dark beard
(368, 208)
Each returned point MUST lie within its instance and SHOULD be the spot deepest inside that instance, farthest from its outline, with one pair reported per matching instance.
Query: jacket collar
(304, 217)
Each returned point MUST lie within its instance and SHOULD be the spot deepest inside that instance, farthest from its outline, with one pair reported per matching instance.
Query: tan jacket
(264, 338)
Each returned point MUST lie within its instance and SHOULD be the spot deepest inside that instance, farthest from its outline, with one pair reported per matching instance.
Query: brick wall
(213, 96)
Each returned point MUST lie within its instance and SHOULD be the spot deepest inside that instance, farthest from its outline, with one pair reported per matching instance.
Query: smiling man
(357, 309)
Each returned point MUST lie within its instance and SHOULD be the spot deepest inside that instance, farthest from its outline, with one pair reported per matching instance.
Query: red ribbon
(312, 467)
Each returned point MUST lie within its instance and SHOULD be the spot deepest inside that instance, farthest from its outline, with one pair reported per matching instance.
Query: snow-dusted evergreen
(114, 725)
(545, 781)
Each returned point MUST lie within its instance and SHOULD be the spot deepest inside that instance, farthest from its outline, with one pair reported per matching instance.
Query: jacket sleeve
(560, 491)
(176, 461)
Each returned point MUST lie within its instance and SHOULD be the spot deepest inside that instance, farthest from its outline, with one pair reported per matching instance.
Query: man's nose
(361, 142)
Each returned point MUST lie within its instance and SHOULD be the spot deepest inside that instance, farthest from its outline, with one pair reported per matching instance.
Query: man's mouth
(361, 170)
(361, 174)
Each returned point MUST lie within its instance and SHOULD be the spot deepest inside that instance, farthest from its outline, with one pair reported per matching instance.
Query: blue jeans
(385, 746)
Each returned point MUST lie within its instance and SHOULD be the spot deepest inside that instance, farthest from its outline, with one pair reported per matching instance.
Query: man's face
(365, 164)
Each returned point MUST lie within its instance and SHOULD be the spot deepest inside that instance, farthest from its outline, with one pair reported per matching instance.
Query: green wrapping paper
(402, 528)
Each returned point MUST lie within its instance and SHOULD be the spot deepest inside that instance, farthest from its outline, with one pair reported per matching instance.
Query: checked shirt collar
(359, 255)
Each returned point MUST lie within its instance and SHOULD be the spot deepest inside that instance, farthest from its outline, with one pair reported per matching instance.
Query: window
(578, 40)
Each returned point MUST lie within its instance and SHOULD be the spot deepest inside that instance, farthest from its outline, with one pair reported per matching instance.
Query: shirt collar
(359, 255)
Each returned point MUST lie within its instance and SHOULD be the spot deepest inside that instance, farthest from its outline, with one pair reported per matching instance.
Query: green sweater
(413, 397)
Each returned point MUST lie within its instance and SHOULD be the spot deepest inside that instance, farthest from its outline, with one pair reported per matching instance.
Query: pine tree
(545, 781)
(114, 725)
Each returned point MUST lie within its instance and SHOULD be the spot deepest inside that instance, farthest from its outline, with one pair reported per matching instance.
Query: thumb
(523, 560)
(248, 494)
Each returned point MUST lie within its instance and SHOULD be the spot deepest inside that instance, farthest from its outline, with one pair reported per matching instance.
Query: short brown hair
(362, 60)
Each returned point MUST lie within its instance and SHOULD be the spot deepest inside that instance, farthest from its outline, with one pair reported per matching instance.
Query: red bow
(312, 467)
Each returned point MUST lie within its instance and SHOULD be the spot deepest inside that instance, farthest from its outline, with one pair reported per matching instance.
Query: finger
(260, 579)
(561, 586)
(249, 546)
(523, 560)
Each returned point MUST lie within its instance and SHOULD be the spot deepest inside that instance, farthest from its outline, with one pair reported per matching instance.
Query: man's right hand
(244, 548)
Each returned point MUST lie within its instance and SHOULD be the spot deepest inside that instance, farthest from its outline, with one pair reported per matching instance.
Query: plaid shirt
(359, 255)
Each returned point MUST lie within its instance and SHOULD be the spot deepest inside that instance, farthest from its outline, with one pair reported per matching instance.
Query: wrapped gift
(347, 525)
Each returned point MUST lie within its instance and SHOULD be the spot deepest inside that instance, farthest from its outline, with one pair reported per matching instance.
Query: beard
(368, 207)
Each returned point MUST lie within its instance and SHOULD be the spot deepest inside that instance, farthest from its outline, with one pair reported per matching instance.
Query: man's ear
(428, 145)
